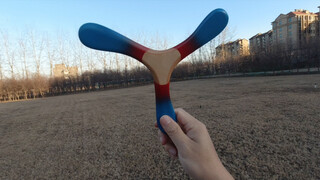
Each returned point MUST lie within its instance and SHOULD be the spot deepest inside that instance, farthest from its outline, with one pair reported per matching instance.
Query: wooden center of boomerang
(161, 64)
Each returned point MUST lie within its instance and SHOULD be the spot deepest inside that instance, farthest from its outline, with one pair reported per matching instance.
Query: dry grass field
(262, 128)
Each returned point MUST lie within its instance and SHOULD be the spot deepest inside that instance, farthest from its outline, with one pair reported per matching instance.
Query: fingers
(194, 129)
(187, 121)
(164, 139)
(168, 144)
(174, 131)
(171, 149)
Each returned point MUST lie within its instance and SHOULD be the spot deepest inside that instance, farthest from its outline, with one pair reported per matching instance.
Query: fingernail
(172, 152)
(161, 139)
(166, 120)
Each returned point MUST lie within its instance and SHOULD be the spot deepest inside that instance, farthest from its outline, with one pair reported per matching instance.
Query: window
(290, 19)
(280, 23)
(290, 26)
(280, 30)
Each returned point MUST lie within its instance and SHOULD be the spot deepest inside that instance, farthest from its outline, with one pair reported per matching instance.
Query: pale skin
(189, 141)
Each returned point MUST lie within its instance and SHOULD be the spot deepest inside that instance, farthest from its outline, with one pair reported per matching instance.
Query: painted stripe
(136, 50)
(209, 28)
(163, 103)
(162, 91)
(187, 47)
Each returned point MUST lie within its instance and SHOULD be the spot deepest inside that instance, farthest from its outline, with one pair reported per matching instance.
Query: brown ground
(262, 127)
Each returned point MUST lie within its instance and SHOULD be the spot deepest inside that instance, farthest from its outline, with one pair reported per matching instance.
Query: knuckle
(202, 126)
(178, 110)
(179, 113)
(172, 129)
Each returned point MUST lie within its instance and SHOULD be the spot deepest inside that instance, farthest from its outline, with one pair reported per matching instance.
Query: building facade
(233, 49)
(61, 70)
(261, 42)
(319, 21)
(295, 28)
(291, 31)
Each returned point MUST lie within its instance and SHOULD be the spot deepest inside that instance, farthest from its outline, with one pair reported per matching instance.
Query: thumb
(174, 131)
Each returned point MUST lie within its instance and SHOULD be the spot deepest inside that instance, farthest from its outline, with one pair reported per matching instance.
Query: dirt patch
(262, 128)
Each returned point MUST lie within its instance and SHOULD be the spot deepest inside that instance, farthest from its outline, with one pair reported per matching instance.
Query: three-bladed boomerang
(160, 63)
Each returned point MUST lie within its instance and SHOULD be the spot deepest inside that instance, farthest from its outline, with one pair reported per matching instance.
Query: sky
(174, 20)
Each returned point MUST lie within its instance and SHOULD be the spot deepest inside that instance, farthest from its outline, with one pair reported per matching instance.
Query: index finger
(186, 121)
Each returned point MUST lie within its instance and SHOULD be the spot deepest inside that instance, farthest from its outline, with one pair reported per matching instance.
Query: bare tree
(225, 36)
(37, 45)
(9, 54)
(1, 80)
(102, 58)
(211, 54)
(1, 91)
(117, 59)
(90, 60)
(63, 49)
(1, 71)
(23, 57)
(25, 83)
(50, 53)
(78, 55)
(41, 85)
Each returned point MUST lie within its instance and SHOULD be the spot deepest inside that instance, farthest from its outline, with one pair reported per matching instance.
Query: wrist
(215, 171)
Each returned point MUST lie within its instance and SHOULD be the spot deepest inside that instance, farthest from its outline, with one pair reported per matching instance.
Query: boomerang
(160, 63)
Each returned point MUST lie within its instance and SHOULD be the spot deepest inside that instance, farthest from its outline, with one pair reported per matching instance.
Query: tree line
(278, 57)
(26, 65)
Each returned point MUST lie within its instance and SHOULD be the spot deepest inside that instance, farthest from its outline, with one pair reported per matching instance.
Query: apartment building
(236, 48)
(289, 30)
(295, 28)
(261, 42)
(61, 70)
(319, 21)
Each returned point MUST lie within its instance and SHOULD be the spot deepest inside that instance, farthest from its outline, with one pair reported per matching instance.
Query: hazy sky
(172, 19)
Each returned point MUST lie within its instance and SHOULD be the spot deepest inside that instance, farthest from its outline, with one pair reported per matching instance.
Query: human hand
(190, 141)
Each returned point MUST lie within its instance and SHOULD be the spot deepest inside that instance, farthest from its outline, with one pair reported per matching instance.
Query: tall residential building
(261, 42)
(236, 48)
(60, 70)
(319, 21)
(295, 28)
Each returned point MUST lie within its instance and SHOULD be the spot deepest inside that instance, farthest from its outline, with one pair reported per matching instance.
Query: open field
(262, 128)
